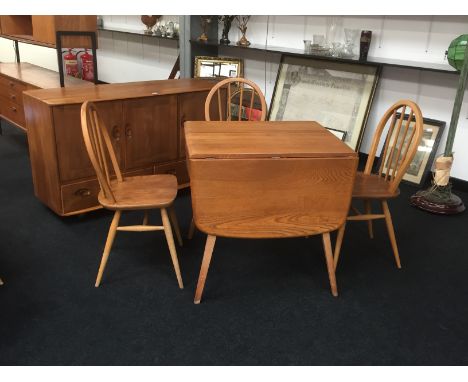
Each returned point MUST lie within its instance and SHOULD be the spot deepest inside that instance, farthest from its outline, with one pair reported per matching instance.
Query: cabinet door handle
(128, 132)
(116, 133)
(11, 83)
(83, 192)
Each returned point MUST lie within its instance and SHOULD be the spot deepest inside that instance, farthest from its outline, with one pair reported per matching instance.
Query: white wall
(125, 58)
(121, 57)
(418, 38)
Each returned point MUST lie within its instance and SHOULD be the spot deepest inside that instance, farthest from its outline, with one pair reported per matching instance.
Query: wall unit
(40, 30)
(145, 121)
(17, 78)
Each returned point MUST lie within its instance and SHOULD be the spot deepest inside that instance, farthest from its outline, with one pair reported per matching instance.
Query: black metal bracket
(59, 35)
(17, 54)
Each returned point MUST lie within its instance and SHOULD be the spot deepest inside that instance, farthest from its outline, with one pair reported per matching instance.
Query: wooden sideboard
(18, 77)
(144, 119)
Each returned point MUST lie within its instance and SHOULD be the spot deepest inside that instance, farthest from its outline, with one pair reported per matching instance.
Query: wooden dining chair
(404, 133)
(235, 99)
(119, 193)
(224, 102)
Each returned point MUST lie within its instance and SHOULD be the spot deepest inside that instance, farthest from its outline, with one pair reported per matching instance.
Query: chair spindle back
(99, 147)
(403, 137)
(240, 99)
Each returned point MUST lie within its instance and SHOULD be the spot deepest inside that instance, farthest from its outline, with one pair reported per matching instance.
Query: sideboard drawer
(12, 111)
(13, 84)
(80, 196)
(12, 95)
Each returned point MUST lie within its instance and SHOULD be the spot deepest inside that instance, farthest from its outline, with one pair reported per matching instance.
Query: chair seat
(141, 192)
(372, 187)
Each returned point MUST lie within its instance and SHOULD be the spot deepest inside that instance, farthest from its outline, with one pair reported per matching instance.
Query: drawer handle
(83, 192)
(13, 108)
(11, 83)
(13, 97)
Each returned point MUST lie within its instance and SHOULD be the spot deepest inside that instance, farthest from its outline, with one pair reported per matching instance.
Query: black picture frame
(420, 167)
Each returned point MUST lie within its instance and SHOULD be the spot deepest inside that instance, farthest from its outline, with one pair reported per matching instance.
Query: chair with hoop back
(234, 99)
(119, 193)
(403, 137)
(238, 99)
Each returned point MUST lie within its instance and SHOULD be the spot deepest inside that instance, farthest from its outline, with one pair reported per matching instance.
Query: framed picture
(218, 67)
(420, 166)
(338, 133)
(336, 94)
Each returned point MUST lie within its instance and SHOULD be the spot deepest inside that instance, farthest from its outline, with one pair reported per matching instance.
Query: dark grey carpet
(266, 302)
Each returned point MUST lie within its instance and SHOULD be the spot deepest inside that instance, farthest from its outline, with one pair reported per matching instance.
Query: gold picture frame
(207, 67)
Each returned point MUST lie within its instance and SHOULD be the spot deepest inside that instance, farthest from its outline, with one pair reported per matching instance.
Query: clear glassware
(319, 40)
(351, 36)
(337, 49)
(334, 26)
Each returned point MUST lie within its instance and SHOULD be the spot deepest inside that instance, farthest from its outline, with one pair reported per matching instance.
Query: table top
(271, 139)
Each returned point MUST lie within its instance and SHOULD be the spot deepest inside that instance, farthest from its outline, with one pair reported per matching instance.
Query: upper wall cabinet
(41, 30)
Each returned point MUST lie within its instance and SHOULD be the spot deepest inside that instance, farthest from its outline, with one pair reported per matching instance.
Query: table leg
(209, 246)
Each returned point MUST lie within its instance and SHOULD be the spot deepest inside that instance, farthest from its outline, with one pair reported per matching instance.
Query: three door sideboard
(145, 121)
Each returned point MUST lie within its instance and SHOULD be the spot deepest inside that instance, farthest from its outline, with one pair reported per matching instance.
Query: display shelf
(430, 66)
(136, 32)
(27, 39)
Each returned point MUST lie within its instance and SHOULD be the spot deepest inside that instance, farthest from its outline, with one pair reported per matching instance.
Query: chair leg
(171, 245)
(391, 232)
(369, 222)
(145, 218)
(329, 259)
(175, 225)
(108, 246)
(339, 241)
(191, 230)
(209, 246)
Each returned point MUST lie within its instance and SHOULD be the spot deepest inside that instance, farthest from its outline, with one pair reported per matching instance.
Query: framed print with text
(336, 94)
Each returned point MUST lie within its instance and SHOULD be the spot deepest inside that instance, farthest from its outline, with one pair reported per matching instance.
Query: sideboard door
(73, 160)
(150, 127)
(191, 108)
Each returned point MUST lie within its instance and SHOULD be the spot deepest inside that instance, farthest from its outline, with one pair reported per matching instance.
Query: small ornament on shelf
(204, 21)
(150, 22)
(242, 25)
(227, 21)
(366, 37)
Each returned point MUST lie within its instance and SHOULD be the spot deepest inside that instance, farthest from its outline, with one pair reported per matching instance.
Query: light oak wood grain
(399, 148)
(126, 193)
(146, 133)
(268, 180)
